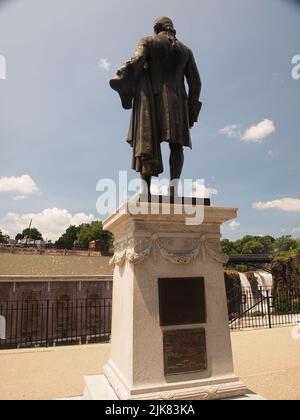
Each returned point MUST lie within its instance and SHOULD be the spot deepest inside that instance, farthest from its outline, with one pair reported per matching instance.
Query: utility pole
(29, 232)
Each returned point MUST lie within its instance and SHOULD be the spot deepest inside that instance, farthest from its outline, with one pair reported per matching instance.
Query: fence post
(47, 324)
(269, 309)
(262, 302)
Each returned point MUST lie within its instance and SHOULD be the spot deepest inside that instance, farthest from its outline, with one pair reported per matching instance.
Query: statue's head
(164, 24)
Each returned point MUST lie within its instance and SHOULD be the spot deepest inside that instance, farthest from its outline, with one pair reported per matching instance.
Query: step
(97, 388)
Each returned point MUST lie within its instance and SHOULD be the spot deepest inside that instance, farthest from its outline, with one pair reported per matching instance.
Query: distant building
(99, 246)
(31, 243)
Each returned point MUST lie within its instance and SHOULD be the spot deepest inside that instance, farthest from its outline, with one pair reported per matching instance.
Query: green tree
(285, 244)
(91, 232)
(227, 247)
(253, 246)
(33, 234)
(3, 238)
(68, 239)
(249, 245)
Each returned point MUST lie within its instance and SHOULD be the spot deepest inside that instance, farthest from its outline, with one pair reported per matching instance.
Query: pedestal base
(170, 332)
(97, 388)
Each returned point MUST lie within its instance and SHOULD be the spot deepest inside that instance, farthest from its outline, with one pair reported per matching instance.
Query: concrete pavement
(267, 360)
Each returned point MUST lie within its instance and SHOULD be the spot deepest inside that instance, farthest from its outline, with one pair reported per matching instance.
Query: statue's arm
(139, 60)
(126, 80)
(194, 82)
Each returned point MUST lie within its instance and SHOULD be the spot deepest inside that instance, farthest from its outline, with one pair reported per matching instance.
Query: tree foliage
(81, 236)
(91, 232)
(32, 233)
(68, 239)
(285, 244)
(259, 245)
(3, 238)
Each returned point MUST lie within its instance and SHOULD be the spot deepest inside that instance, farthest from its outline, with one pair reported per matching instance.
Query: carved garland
(135, 258)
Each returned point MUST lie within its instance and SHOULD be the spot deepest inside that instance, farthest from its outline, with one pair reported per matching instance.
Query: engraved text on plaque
(185, 351)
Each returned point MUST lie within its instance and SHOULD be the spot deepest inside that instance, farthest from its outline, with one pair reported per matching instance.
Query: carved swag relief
(174, 250)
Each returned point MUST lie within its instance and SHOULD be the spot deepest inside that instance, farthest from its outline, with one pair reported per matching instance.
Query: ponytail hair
(165, 24)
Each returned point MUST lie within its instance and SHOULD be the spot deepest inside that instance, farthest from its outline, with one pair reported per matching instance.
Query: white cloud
(256, 133)
(24, 185)
(188, 189)
(104, 64)
(284, 204)
(296, 230)
(50, 222)
(234, 225)
(201, 191)
(4, 231)
(273, 154)
(19, 197)
(160, 187)
(209, 192)
(232, 131)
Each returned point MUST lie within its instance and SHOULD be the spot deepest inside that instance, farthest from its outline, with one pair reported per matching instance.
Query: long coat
(154, 80)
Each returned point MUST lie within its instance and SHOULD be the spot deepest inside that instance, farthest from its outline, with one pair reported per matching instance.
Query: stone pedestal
(158, 353)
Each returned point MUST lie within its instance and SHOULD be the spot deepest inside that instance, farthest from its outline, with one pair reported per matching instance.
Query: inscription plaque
(182, 301)
(185, 351)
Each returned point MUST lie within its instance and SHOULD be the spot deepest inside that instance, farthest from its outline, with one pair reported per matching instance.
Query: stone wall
(17, 288)
(286, 273)
(55, 311)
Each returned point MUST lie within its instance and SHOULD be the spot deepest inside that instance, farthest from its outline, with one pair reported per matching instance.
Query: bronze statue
(152, 84)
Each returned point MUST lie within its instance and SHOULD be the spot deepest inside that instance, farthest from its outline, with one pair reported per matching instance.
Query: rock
(286, 273)
(234, 293)
(253, 282)
(232, 281)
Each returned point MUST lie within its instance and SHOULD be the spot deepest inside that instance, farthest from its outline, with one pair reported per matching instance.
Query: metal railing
(49, 323)
(263, 308)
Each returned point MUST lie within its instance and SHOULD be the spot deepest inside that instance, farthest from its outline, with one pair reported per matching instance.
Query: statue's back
(167, 59)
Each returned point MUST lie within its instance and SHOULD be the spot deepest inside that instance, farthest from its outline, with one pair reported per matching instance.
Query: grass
(44, 265)
(285, 256)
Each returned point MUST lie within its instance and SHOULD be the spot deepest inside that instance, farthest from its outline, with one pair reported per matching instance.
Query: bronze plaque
(182, 301)
(185, 351)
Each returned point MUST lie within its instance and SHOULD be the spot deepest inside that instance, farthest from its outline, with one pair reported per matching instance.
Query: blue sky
(63, 128)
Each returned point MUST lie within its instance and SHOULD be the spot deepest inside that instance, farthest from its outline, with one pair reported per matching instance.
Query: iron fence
(49, 323)
(263, 308)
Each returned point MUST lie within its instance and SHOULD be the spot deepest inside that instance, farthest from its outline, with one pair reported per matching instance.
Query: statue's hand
(194, 111)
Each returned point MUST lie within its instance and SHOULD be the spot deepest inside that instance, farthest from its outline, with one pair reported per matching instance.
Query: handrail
(248, 310)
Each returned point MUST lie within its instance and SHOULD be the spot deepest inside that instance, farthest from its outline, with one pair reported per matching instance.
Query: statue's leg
(176, 161)
(146, 186)
(176, 166)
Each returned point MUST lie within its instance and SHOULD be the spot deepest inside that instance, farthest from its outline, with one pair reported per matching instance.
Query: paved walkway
(49, 374)
(267, 360)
